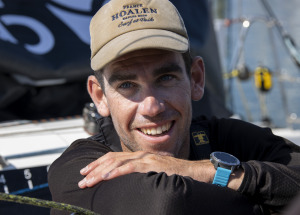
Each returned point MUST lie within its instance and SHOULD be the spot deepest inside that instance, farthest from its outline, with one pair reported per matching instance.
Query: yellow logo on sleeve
(200, 138)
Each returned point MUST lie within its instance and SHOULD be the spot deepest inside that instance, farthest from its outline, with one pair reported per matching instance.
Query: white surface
(38, 137)
(35, 161)
(290, 134)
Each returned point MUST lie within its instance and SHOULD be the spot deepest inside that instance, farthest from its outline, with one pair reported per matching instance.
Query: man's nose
(151, 106)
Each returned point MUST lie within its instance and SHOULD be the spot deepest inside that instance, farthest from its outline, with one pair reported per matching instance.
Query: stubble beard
(181, 149)
(181, 145)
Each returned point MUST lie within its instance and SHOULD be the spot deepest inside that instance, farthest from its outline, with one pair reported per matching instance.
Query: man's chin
(155, 150)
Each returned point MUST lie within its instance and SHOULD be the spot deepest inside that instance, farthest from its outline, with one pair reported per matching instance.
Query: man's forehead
(143, 53)
(141, 57)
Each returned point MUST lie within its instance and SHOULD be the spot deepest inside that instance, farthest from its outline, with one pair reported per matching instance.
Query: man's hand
(115, 164)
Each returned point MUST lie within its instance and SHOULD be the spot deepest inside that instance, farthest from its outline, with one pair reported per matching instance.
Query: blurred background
(260, 34)
(44, 58)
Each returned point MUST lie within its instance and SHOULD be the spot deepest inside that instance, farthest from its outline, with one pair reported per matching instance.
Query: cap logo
(134, 13)
(124, 26)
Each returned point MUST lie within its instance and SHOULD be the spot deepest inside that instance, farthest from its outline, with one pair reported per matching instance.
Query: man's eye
(166, 77)
(126, 85)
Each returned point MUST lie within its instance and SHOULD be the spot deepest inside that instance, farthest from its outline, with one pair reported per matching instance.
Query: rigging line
(287, 38)
(228, 54)
(27, 190)
(244, 101)
(241, 61)
(273, 16)
(238, 52)
(45, 204)
(263, 107)
(278, 73)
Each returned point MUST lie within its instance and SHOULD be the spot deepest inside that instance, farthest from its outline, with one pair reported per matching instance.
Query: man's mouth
(157, 130)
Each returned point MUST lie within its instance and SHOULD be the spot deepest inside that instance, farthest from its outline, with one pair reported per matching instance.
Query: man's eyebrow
(167, 68)
(121, 76)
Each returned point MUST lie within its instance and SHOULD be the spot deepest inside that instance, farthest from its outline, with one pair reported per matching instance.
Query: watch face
(226, 158)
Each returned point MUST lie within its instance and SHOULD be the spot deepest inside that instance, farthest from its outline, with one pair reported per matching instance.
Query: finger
(133, 162)
(129, 167)
(100, 172)
(110, 155)
(104, 168)
(91, 166)
(128, 162)
(94, 175)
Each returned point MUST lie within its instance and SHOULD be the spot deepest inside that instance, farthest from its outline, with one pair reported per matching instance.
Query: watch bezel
(217, 162)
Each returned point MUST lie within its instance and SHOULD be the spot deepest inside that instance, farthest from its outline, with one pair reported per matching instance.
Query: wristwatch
(225, 164)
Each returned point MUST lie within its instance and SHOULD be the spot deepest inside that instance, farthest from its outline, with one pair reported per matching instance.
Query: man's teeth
(158, 130)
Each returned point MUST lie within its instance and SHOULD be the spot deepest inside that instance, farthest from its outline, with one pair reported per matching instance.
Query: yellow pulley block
(263, 79)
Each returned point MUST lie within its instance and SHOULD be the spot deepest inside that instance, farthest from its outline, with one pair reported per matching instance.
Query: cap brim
(136, 40)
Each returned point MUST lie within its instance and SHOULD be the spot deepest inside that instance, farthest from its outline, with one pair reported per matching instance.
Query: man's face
(148, 95)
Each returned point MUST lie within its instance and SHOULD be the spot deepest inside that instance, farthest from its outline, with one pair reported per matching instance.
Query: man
(149, 156)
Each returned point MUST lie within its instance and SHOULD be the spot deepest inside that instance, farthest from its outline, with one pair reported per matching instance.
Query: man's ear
(98, 96)
(197, 78)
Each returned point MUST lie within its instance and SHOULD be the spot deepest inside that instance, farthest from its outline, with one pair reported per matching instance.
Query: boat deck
(25, 144)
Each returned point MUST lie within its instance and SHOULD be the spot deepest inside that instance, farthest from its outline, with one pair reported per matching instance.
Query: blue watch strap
(222, 177)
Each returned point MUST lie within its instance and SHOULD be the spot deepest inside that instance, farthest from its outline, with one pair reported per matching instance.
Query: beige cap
(122, 26)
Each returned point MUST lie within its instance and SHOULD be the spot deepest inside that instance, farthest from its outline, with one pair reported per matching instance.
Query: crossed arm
(271, 177)
(115, 164)
(139, 193)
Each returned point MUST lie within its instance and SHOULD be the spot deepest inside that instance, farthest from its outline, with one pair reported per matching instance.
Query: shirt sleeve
(271, 163)
(139, 193)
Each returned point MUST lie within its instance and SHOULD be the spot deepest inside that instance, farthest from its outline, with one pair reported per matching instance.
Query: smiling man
(148, 94)
(150, 157)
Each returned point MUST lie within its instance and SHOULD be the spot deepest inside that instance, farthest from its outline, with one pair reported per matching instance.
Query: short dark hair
(99, 76)
(187, 58)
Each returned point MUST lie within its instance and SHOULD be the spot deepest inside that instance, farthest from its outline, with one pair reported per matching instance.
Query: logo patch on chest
(200, 138)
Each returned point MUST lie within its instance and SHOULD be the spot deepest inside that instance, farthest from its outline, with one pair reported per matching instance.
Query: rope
(45, 203)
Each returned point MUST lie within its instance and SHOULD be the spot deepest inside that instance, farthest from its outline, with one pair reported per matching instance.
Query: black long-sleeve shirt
(271, 165)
